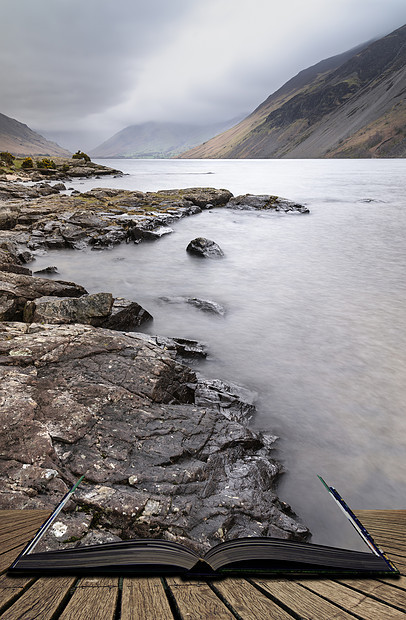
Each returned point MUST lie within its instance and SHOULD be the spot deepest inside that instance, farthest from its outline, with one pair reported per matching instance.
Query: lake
(315, 308)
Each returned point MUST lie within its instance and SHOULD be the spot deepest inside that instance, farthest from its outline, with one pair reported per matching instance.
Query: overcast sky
(97, 66)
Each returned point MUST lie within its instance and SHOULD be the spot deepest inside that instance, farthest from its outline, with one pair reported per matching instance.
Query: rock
(77, 399)
(206, 305)
(17, 289)
(250, 202)
(126, 315)
(50, 269)
(157, 233)
(203, 197)
(88, 309)
(205, 248)
(11, 263)
(60, 187)
(184, 347)
(233, 401)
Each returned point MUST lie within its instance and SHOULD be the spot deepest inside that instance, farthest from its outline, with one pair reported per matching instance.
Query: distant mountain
(154, 139)
(19, 139)
(351, 105)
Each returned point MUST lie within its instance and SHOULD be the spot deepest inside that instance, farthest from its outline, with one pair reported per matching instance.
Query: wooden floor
(68, 598)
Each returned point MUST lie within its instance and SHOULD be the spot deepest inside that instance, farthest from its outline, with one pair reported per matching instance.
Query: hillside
(351, 105)
(155, 139)
(19, 139)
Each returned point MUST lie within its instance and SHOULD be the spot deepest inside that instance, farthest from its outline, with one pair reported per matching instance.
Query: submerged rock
(207, 305)
(205, 248)
(118, 408)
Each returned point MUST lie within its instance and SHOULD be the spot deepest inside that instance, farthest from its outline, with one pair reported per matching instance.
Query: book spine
(30, 546)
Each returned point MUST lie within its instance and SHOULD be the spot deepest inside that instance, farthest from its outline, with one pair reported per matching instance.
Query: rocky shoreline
(165, 452)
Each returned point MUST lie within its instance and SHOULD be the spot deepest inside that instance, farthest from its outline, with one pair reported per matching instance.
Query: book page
(327, 522)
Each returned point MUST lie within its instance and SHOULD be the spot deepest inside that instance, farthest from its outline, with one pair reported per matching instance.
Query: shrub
(46, 163)
(65, 167)
(27, 163)
(7, 157)
(81, 155)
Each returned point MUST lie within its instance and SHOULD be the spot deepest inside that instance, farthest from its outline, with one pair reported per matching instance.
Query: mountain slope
(19, 139)
(351, 105)
(155, 139)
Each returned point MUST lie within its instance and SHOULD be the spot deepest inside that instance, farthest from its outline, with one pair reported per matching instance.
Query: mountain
(351, 105)
(19, 139)
(154, 139)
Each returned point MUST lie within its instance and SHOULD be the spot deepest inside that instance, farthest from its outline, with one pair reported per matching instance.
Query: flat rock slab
(267, 202)
(120, 409)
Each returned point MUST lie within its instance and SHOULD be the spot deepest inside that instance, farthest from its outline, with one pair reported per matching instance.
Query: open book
(256, 555)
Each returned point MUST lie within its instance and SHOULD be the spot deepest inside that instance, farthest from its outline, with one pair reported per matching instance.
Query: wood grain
(42, 600)
(249, 602)
(302, 602)
(196, 601)
(144, 597)
(356, 602)
(94, 597)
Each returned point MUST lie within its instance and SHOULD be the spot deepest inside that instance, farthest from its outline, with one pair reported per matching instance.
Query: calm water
(315, 322)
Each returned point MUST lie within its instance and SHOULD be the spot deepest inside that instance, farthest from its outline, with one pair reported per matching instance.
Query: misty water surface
(315, 320)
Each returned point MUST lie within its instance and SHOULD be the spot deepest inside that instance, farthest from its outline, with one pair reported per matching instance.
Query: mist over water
(315, 309)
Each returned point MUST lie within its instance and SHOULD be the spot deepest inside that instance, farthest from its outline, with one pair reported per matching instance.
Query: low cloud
(97, 67)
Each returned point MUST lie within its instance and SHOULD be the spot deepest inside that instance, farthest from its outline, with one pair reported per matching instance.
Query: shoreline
(222, 489)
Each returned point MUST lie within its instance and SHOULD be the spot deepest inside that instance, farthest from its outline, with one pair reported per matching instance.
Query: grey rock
(157, 233)
(89, 309)
(17, 289)
(233, 401)
(206, 305)
(251, 202)
(205, 248)
(50, 269)
(118, 407)
(126, 315)
(184, 347)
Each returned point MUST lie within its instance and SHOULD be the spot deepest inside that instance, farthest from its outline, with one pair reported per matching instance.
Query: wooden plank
(92, 598)
(25, 530)
(7, 558)
(249, 602)
(42, 600)
(396, 582)
(16, 524)
(8, 517)
(11, 587)
(302, 602)
(355, 602)
(197, 601)
(13, 541)
(383, 591)
(144, 597)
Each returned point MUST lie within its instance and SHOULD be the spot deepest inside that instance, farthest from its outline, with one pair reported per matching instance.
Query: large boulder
(118, 408)
(205, 248)
(17, 289)
(88, 309)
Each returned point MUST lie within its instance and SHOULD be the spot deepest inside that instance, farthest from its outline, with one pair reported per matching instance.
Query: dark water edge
(315, 304)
